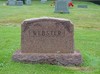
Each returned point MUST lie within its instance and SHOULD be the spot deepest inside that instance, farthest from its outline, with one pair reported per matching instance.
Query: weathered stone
(47, 35)
(49, 58)
(48, 40)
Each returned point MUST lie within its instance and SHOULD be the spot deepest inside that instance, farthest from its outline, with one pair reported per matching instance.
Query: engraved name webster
(46, 33)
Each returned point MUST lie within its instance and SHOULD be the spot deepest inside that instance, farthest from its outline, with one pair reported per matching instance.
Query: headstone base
(64, 59)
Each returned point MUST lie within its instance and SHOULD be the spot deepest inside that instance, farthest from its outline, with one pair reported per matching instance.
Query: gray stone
(62, 6)
(82, 6)
(43, 1)
(48, 40)
(28, 2)
(19, 3)
(11, 2)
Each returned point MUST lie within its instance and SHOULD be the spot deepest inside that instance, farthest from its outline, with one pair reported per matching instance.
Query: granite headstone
(28, 2)
(62, 6)
(11, 2)
(48, 40)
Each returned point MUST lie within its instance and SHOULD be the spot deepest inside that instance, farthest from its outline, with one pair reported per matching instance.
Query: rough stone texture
(47, 35)
(47, 40)
(68, 59)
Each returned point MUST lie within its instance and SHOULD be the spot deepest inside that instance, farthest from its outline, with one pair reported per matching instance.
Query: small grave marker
(19, 3)
(11, 2)
(82, 6)
(62, 6)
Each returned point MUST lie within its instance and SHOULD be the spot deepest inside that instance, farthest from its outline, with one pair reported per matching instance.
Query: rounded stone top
(53, 18)
(46, 18)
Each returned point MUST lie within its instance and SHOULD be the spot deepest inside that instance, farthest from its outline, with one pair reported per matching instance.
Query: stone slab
(64, 59)
(47, 35)
(82, 6)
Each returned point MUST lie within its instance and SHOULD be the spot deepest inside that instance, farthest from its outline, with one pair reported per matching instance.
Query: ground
(86, 34)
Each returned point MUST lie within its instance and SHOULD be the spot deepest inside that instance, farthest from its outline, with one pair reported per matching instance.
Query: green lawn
(87, 37)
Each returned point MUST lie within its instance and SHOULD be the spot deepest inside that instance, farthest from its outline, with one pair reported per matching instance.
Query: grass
(87, 37)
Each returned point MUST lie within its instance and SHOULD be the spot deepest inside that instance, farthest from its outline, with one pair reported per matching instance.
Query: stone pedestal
(64, 59)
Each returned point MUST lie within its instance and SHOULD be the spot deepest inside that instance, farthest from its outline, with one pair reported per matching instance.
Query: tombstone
(28, 2)
(43, 1)
(11, 2)
(82, 6)
(19, 3)
(62, 6)
(47, 40)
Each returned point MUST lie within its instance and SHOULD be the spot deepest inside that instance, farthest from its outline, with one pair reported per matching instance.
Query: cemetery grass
(87, 37)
